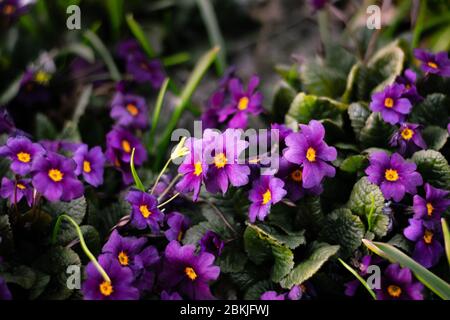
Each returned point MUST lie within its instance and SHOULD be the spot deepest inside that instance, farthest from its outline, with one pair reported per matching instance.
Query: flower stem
(169, 187)
(82, 243)
(160, 175)
(166, 202)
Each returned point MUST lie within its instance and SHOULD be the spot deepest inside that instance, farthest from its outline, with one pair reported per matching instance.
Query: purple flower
(128, 48)
(145, 70)
(145, 211)
(435, 203)
(188, 273)
(265, 192)
(243, 102)
(318, 4)
(54, 177)
(22, 152)
(16, 190)
(427, 235)
(5, 294)
(295, 293)
(397, 284)
(408, 80)
(178, 224)
(170, 296)
(211, 243)
(12, 9)
(352, 286)
(408, 139)
(114, 156)
(130, 111)
(308, 148)
(119, 288)
(121, 143)
(272, 295)
(394, 175)
(390, 104)
(436, 63)
(90, 163)
(222, 153)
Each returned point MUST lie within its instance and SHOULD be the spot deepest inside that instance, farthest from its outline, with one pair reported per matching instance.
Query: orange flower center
(394, 291)
(123, 258)
(430, 209)
(243, 103)
(432, 64)
(144, 211)
(297, 175)
(428, 237)
(220, 160)
(24, 157)
(388, 102)
(87, 166)
(55, 175)
(267, 196)
(126, 146)
(311, 154)
(407, 134)
(21, 186)
(198, 168)
(132, 109)
(106, 288)
(9, 9)
(391, 175)
(190, 273)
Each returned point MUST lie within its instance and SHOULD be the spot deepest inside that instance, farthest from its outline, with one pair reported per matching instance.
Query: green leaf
(354, 163)
(21, 275)
(290, 74)
(156, 113)
(357, 276)
(6, 233)
(343, 228)
(232, 259)
(284, 262)
(319, 79)
(434, 110)
(310, 214)
(256, 290)
(376, 132)
(284, 95)
(197, 74)
(137, 180)
(307, 268)
(195, 233)
(367, 200)
(115, 9)
(140, 36)
(78, 49)
(39, 286)
(305, 108)
(45, 130)
(433, 167)
(446, 234)
(76, 209)
(11, 91)
(430, 280)
(435, 137)
(358, 113)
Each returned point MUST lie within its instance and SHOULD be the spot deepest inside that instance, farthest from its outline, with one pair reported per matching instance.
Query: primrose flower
(272, 295)
(129, 111)
(211, 243)
(54, 177)
(295, 293)
(408, 80)
(188, 273)
(5, 294)
(16, 190)
(394, 175)
(119, 288)
(436, 63)
(265, 192)
(145, 211)
(128, 48)
(428, 236)
(308, 148)
(318, 4)
(122, 143)
(224, 150)
(433, 206)
(178, 224)
(398, 284)
(170, 296)
(22, 152)
(243, 102)
(193, 169)
(90, 163)
(390, 104)
(12, 9)
(144, 70)
(366, 261)
(114, 157)
(408, 139)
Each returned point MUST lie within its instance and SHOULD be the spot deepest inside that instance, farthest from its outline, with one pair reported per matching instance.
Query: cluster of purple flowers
(11, 10)
(297, 292)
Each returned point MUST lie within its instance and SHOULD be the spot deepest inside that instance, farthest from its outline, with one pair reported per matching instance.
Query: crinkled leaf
(434, 110)
(284, 262)
(21, 275)
(376, 132)
(353, 164)
(195, 233)
(358, 113)
(232, 259)
(310, 215)
(433, 167)
(76, 209)
(45, 130)
(284, 95)
(435, 137)
(256, 290)
(39, 286)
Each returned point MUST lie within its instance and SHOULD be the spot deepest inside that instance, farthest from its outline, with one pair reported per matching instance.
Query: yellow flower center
(21, 186)
(126, 146)
(123, 258)
(430, 209)
(42, 77)
(220, 160)
(428, 236)
(9, 9)
(243, 103)
(144, 211)
(297, 175)
(407, 134)
(180, 236)
(267, 196)
(132, 109)
(311, 154)
(87, 166)
(432, 64)
(190, 273)
(198, 168)
(24, 157)
(106, 288)
(55, 175)
(388, 102)
(391, 175)
(394, 291)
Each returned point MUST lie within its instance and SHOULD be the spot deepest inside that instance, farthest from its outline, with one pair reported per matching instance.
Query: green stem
(363, 282)
(168, 201)
(156, 113)
(160, 175)
(82, 243)
(169, 187)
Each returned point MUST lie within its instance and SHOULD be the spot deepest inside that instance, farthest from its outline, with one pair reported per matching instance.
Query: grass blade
(197, 74)
(139, 34)
(176, 59)
(115, 9)
(104, 53)
(157, 112)
(214, 34)
(430, 280)
(363, 282)
(137, 180)
(446, 233)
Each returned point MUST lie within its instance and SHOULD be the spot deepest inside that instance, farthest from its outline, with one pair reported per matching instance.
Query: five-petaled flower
(390, 103)
(90, 164)
(145, 212)
(436, 63)
(22, 152)
(398, 284)
(266, 191)
(129, 111)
